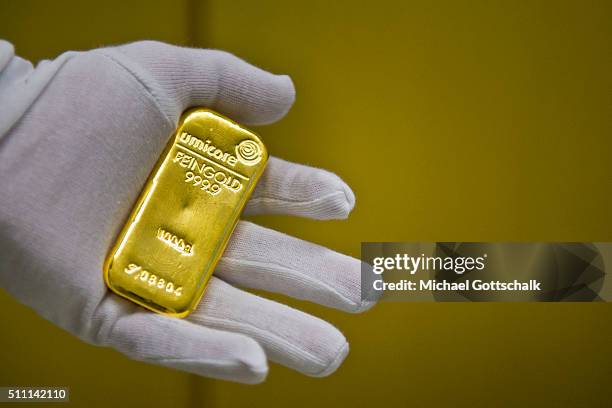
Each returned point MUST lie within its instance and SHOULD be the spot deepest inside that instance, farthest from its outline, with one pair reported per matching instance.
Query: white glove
(72, 164)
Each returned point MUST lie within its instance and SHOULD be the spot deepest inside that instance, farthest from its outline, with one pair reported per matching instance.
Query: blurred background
(452, 121)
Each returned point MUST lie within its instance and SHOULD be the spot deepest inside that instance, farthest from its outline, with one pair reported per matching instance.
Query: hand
(72, 167)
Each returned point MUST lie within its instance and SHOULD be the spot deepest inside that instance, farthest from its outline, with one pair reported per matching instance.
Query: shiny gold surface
(184, 216)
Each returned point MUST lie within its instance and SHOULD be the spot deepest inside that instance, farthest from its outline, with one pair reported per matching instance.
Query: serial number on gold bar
(186, 212)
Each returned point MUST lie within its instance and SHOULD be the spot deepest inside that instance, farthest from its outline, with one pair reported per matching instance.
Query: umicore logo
(413, 264)
(209, 148)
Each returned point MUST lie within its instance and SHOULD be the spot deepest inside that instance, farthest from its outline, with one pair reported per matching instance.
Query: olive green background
(452, 121)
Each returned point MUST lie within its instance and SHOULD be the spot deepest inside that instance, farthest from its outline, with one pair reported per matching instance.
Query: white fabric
(73, 163)
(20, 83)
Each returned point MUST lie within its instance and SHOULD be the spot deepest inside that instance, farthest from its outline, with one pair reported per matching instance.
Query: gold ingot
(186, 212)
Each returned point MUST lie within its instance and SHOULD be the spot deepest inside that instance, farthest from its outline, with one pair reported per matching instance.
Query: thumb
(182, 77)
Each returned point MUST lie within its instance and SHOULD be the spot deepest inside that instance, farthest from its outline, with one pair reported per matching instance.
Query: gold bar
(185, 214)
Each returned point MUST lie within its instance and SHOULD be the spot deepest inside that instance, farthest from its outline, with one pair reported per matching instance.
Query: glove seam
(255, 329)
(143, 82)
(289, 200)
(257, 370)
(308, 278)
(345, 206)
(177, 323)
(334, 362)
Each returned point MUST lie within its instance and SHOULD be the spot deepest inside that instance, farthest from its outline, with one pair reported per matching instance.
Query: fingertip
(248, 93)
(362, 306)
(349, 197)
(276, 97)
(253, 362)
(255, 378)
(338, 204)
(7, 51)
(252, 374)
(335, 362)
(238, 358)
(286, 94)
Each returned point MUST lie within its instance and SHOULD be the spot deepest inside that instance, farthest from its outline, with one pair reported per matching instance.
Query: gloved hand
(79, 137)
